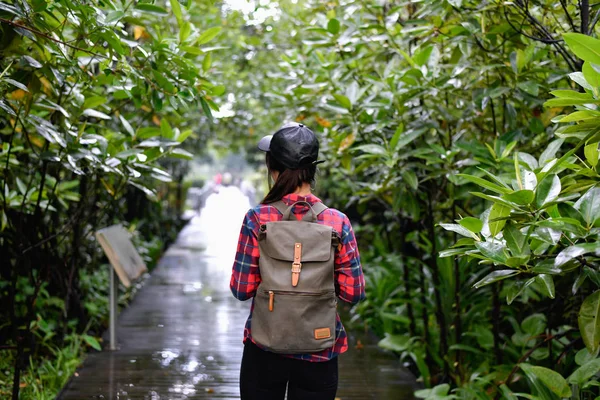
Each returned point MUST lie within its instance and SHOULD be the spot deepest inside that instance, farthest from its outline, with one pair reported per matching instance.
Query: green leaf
(176, 10)
(191, 49)
(92, 341)
(497, 218)
(333, 26)
(207, 62)
(7, 108)
(114, 41)
(589, 321)
(3, 220)
(534, 325)
(591, 75)
(397, 343)
(591, 154)
(343, 100)
(570, 101)
(147, 132)
(410, 178)
(472, 224)
(529, 87)
(553, 380)
(438, 392)
(485, 184)
(574, 251)
(585, 372)
(589, 206)
(550, 152)
(515, 240)
(585, 47)
(579, 78)
(408, 137)
(94, 101)
(208, 35)
(31, 62)
(22, 187)
(181, 153)
(548, 190)
(165, 129)
(583, 357)
(496, 276)
(493, 251)
(460, 230)
(95, 114)
(571, 94)
(374, 149)
(579, 116)
(127, 125)
(516, 289)
(163, 82)
(520, 197)
(114, 16)
(507, 393)
(422, 56)
(218, 90)
(151, 9)
(546, 283)
(16, 84)
(67, 185)
(206, 108)
(185, 29)
(184, 135)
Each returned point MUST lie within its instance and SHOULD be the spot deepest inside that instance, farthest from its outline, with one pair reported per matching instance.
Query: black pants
(265, 375)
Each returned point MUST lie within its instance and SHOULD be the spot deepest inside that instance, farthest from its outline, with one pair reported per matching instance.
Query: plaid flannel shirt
(349, 279)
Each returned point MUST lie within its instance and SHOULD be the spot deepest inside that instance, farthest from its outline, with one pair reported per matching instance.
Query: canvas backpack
(295, 304)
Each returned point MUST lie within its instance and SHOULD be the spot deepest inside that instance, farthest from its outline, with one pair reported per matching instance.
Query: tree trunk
(435, 276)
(496, 323)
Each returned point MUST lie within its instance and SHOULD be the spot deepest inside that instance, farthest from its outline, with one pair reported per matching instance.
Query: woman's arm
(245, 275)
(350, 281)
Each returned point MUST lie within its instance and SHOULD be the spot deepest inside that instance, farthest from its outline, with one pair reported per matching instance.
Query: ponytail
(288, 181)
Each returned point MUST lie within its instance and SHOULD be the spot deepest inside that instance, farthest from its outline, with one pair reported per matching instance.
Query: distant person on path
(291, 158)
(209, 188)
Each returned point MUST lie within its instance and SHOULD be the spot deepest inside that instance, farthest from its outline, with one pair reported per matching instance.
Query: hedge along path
(182, 338)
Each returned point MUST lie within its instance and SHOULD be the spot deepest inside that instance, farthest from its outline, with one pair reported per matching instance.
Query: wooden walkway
(181, 338)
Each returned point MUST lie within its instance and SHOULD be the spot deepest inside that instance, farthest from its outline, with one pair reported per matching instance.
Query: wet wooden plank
(181, 338)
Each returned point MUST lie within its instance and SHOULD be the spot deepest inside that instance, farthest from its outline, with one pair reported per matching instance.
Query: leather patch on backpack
(322, 333)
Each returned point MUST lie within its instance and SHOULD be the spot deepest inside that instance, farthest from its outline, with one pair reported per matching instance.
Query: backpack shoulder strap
(280, 206)
(319, 207)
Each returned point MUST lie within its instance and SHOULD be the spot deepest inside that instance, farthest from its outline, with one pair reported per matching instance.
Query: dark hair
(288, 181)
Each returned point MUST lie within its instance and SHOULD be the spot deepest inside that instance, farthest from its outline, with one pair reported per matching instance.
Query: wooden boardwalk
(181, 338)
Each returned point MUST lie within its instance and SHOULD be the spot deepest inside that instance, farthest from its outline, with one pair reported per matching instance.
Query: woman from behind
(279, 355)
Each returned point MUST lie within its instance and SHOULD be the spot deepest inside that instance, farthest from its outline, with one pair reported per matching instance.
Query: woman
(291, 157)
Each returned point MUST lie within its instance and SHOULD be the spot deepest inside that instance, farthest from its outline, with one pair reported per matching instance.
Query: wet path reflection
(181, 336)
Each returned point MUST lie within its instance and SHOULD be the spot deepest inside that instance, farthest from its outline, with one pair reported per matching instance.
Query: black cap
(294, 146)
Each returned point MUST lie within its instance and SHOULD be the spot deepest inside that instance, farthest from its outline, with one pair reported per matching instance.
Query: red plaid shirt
(350, 282)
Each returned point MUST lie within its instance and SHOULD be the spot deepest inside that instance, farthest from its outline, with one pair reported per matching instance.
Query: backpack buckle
(297, 264)
(297, 267)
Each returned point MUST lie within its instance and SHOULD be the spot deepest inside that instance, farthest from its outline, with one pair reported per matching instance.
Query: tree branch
(7, 21)
(564, 7)
(594, 22)
(585, 16)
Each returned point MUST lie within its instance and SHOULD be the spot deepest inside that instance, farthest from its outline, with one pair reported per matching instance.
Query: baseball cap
(293, 145)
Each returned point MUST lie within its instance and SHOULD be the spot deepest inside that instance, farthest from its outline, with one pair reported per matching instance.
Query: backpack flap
(281, 237)
(292, 245)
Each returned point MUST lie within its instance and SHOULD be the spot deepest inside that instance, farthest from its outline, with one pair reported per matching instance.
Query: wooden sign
(117, 246)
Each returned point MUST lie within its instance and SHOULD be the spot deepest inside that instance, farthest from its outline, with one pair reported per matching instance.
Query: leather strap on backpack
(297, 264)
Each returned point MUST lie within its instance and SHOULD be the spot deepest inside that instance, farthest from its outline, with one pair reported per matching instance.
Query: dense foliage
(95, 100)
(436, 134)
(461, 137)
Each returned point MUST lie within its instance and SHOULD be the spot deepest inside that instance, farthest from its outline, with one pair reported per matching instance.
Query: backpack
(295, 304)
